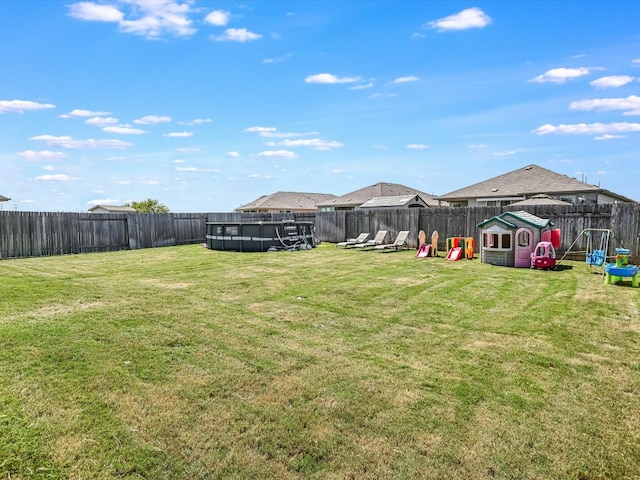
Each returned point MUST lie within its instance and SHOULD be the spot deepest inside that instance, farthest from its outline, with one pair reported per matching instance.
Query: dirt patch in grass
(53, 310)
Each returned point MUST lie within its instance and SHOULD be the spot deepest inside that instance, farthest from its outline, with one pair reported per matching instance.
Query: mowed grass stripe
(182, 362)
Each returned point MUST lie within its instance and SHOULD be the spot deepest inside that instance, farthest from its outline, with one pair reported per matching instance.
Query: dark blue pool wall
(260, 236)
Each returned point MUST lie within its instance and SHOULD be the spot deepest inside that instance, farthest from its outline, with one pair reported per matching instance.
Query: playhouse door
(524, 248)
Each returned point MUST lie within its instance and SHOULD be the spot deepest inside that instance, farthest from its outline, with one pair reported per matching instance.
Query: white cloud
(561, 75)
(42, 155)
(187, 149)
(123, 130)
(219, 18)
(94, 12)
(608, 136)
(101, 121)
(272, 132)
(629, 105)
(417, 35)
(405, 79)
(83, 113)
(152, 120)
(283, 58)
(329, 78)
(178, 134)
(196, 169)
(417, 146)
(150, 19)
(159, 17)
(21, 106)
(469, 18)
(286, 134)
(587, 128)
(57, 177)
(74, 144)
(48, 168)
(379, 95)
(505, 154)
(477, 147)
(635, 61)
(233, 154)
(196, 121)
(261, 129)
(237, 35)
(315, 143)
(278, 154)
(612, 81)
(364, 86)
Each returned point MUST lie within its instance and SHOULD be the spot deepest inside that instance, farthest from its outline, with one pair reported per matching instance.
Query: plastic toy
(544, 256)
(425, 249)
(615, 272)
(460, 247)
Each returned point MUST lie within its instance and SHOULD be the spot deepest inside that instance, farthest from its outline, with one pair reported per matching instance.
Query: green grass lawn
(186, 363)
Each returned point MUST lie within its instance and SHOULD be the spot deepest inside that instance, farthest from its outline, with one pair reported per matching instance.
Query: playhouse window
(497, 240)
(524, 238)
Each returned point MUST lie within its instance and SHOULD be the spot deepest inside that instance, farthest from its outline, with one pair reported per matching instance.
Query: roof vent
(528, 168)
(494, 189)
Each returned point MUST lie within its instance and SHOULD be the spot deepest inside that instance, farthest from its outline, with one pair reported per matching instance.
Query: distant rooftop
(113, 208)
(525, 182)
(377, 190)
(287, 201)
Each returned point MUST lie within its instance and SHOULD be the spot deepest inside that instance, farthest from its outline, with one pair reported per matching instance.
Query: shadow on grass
(560, 268)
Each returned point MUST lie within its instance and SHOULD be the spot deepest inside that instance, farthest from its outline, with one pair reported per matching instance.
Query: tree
(149, 205)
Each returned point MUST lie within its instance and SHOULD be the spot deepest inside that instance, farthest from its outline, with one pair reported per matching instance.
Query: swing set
(595, 257)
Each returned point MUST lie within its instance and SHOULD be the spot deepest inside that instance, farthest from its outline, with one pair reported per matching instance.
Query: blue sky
(206, 105)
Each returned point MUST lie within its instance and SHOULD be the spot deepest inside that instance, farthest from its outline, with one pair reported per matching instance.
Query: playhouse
(510, 239)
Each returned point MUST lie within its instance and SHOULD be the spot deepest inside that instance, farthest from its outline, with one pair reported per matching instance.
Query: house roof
(114, 208)
(287, 201)
(394, 201)
(526, 217)
(380, 189)
(527, 181)
(541, 199)
(4, 199)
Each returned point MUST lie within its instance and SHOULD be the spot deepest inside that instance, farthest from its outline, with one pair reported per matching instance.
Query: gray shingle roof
(114, 208)
(287, 201)
(395, 201)
(526, 181)
(380, 189)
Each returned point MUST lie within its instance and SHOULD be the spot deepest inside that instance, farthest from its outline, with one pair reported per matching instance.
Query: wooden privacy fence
(33, 234)
(623, 219)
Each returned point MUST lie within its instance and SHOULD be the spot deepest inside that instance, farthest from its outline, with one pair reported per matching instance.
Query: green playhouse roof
(526, 217)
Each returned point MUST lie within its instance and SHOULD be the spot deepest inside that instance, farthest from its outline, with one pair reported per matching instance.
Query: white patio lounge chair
(350, 242)
(377, 240)
(400, 242)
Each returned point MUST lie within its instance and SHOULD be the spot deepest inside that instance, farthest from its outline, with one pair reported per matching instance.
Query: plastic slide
(454, 254)
(424, 251)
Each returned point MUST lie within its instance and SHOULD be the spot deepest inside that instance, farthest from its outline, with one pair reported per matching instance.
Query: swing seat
(596, 258)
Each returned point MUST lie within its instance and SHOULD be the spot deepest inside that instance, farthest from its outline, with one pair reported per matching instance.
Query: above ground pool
(260, 236)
